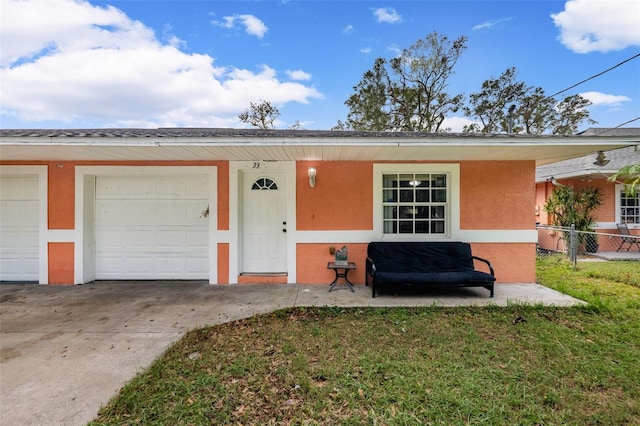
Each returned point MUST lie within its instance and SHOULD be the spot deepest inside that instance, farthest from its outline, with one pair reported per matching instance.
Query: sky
(198, 63)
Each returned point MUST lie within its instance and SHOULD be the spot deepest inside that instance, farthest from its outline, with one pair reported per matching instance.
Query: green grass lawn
(527, 365)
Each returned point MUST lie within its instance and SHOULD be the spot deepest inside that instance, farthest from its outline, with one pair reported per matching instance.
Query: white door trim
(236, 172)
(83, 258)
(43, 219)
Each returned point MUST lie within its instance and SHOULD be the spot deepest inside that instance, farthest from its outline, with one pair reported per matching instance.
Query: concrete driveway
(65, 351)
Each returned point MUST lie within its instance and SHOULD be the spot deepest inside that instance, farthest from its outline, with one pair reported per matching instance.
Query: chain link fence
(559, 239)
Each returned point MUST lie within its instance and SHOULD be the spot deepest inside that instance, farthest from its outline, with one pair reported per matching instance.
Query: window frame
(452, 215)
(619, 195)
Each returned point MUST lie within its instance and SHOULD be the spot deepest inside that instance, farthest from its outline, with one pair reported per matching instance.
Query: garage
(151, 227)
(19, 238)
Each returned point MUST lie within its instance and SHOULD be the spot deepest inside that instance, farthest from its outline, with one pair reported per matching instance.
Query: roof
(584, 166)
(192, 144)
(615, 131)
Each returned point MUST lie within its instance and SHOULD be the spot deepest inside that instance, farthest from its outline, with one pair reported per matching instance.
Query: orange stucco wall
(223, 263)
(312, 262)
(61, 263)
(493, 195)
(61, 177)
(543, 190)
(497, 195)
(512, 263)
(341, 199)
(605, 213)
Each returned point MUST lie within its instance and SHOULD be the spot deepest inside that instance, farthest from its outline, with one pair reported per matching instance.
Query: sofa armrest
(485, 261)
(370, 269)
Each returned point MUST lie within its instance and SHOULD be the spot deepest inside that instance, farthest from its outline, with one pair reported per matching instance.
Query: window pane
(437, 227)
(404, 181)
(422, 227)
(390, 227)
(406, 227)
(407, 212)
(390, 212)
(437, 212)
(421, 181)
(422, 195)
(390, 181)
(422, 213)
(439, 181)
(406, 195)
(390, 195)
(439, 195)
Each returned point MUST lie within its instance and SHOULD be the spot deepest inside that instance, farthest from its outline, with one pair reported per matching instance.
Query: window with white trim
(629, 207)
(415, 203)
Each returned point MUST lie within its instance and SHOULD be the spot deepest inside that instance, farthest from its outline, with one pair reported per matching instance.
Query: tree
(409, 92)
(505, 104)
(630, 176)
(261, 115)
(488, 106)
(568, 206)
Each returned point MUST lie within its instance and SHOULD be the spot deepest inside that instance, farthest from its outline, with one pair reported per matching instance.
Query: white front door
(19, 237)
(264, 223)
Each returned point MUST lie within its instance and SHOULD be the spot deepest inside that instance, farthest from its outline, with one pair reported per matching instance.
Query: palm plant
(570, 207)
(630, 176)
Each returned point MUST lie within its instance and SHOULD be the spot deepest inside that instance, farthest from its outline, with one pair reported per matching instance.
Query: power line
(597, 75)
(619, 125)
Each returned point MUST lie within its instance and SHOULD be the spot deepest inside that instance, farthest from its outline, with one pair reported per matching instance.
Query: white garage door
(151, 227)
(19, 228)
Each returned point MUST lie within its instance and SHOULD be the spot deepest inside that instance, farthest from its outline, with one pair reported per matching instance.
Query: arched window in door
(264, 184)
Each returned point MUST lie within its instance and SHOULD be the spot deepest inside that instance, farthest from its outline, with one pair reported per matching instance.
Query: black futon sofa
(425, 264)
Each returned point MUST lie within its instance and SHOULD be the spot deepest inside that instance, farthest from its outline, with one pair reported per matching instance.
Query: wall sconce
(312, 176)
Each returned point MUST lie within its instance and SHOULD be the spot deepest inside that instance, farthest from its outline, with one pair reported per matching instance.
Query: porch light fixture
(554, 181)
(601, 159)
(312, 176)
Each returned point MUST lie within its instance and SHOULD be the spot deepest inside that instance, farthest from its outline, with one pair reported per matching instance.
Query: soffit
(282, 145)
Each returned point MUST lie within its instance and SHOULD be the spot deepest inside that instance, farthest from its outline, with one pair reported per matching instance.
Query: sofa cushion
(415, 256)
(434, 278)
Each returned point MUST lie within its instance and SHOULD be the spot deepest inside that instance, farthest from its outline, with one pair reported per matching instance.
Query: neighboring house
(235, 206)
(587, 171)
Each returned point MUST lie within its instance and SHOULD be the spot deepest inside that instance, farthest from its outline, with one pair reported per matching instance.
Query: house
(593, 171)
(238, 206)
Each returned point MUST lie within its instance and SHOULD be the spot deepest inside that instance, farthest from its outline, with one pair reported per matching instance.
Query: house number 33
(257, 165)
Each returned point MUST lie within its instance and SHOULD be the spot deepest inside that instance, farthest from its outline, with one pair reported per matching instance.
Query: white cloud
(456, 124)
(395, 49)
(604, 99)
(347, 30)
(598, 25)
(490, 24)
(251, 24)
(387, 15)
(365, 50)
(298, 75)
(88, 64)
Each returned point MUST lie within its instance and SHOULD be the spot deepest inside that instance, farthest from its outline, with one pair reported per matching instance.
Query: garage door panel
(197, 240)
(18, 213)
(171, 239)
(19, 228)
(19, 188)
(197, 265)
(153, 228)
(138, 239)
